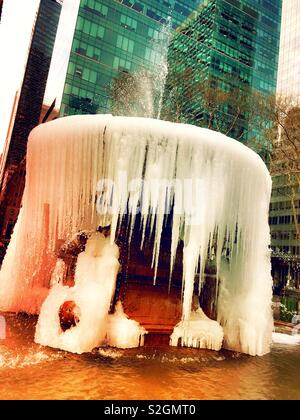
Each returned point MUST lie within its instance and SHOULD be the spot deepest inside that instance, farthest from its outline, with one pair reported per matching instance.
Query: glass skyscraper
(35, 79)
(27, 115)
(110, 37)
(232, 39)
(231, 44)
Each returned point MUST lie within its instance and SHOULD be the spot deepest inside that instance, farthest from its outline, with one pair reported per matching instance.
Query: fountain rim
(153, 127)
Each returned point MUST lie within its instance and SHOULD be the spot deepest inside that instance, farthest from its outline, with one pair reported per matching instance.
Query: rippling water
(29, 371)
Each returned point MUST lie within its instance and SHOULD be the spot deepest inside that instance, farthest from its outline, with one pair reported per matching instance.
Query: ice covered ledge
(221, 202)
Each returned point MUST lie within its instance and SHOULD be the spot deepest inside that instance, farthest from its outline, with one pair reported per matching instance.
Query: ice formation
(215, 190)
(198, 331)
(95, 281)
(95, 277)
(280, 338)
(122, 332)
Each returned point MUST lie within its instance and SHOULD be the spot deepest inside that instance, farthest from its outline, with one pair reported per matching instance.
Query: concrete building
(289, 56)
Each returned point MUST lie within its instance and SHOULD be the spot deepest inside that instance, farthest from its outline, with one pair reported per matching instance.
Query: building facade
(285, 201)
(289, 56)
(284, 222)
(35, 79)
(28, 106)
(235, 42)
(228, 45)
(112, 37)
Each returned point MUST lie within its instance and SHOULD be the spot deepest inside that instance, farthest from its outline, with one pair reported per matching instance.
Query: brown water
(29, 371)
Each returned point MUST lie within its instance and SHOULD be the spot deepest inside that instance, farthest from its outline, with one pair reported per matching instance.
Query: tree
(282, 139)
(286, 151)
(227, 105)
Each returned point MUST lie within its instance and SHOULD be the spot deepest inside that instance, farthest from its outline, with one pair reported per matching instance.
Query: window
(119, 63)
(75, 90)
(92, 29)
(138, 7)
(155, 34)
(273, 220)
(100, 32)
(87, 50)
(98, 7)
(80, 22)
(101, 8)
(78, 72)
(128, 23)
(125, 44)
(85, 74)
(152, 55)
(67, 89)
(89, 75)
(93, 76)
(87, 27)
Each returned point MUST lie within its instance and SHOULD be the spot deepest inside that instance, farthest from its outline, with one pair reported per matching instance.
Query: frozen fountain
(89, 171)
